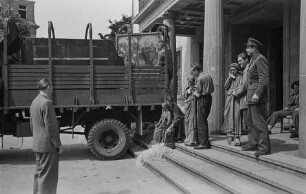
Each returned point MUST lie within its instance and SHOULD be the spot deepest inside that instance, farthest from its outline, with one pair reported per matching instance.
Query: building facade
(216, 31)
(24, 8)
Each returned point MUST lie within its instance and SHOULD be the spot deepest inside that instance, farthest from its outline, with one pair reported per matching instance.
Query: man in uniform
(46, 140)
(258, 79)
(204, 89)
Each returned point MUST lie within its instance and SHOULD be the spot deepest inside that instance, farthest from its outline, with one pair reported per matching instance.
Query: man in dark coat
(46, 140)
(258, 80)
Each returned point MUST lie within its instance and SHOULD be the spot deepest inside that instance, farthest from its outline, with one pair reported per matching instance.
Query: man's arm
(263, 75)
(51, 124)
(176, 115)
(228, 83)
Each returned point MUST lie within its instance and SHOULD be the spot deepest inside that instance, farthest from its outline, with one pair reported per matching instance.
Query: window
(22, 11)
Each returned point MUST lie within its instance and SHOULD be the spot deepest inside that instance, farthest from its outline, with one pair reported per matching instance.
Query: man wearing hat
(258, 80)
(292, 109)
(46, 140)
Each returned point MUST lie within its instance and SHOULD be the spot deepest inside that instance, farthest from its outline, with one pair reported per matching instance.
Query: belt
(204, 96)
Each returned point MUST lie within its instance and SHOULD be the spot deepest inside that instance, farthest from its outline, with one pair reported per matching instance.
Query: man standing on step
(258, 79)
(204, 89)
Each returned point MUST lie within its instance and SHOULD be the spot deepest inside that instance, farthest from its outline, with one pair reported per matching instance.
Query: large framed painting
(144, 48)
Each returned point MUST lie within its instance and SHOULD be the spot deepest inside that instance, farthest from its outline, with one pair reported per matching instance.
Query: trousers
(46, 174)
(278, 115)
(258, 132)
(203, 110)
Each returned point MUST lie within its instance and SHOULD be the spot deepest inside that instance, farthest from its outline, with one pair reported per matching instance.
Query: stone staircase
(227, 169)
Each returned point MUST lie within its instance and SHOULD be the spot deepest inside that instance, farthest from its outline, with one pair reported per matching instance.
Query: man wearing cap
(46, 140)
(258, 79)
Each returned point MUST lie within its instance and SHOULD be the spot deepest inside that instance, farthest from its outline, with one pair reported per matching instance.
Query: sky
(70, 17)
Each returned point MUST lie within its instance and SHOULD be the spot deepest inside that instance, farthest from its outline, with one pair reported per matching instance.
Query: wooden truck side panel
(71, 75)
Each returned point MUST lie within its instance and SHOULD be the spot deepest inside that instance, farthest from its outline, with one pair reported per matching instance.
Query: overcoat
(258, 79)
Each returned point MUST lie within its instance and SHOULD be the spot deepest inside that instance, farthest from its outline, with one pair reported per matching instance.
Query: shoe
(179, 141)
(200, 147)
(190, 144)
(170, 145)
(262, 152)
(248, 148)
(294, 136)
(237, 142)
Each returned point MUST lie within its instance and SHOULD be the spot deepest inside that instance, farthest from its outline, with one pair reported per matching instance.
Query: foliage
(23, 25)
(115, 25)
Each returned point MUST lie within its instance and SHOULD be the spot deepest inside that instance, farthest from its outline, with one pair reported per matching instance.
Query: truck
(101, 86)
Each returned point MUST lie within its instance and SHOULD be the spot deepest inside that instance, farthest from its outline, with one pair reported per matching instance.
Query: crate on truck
(93, 87)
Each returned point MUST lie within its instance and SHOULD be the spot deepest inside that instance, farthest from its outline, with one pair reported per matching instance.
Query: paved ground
(80, 173)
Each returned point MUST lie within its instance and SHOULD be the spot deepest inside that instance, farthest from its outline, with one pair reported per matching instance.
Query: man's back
(44, 125)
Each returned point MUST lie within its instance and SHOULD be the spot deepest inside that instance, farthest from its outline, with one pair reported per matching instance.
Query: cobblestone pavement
(79, 173)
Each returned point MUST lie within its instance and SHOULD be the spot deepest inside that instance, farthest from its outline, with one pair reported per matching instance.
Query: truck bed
(74, 83)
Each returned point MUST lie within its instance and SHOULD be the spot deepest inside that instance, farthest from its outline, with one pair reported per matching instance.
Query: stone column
(213, 58)
(286, 52)
(302, 102)
(169, 20)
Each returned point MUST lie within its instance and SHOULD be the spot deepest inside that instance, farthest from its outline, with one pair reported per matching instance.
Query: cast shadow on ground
(281, 146)
(70, 152)
(120, 192)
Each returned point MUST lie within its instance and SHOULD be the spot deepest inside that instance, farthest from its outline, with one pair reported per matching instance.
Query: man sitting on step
(293, 106)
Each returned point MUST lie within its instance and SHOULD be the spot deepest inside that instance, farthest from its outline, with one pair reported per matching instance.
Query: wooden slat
(25, 78)
(110, 78)
(28, 70)
(146, 72)
(28, 74)
(110, 67)
(28, 66)
(70, 74)
(114, 82)
(71, 87)
(109, 75)
(71, 66)
(72, 70)
(19, 87)
(140, 68)
(110, 71)
(80, 82)
(148, 78)
(111, 86)
(63, 78)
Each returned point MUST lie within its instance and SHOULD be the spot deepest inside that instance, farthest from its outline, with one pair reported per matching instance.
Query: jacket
(258, 79)
(241, 92)
(44, 125)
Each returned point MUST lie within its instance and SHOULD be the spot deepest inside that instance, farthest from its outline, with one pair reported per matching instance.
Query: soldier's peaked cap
(253, 42)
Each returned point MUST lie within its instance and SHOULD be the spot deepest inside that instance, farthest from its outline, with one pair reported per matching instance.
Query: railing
(143, 3)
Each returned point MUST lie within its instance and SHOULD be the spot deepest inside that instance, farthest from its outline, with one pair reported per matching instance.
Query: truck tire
(108, 139)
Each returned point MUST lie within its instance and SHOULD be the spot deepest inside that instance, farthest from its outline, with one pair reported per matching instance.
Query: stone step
(231, 182)
(182, 181)
(274, 177)
(286, 163)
